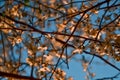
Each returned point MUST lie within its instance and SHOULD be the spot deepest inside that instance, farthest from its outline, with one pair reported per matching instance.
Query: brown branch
(115, 67)
(5, 74)
(8, 17)
(74, 30)
(71, 3)
(112, 6)
(55, 33)
(3, 45)
(80, 12)
(106, 26)
(105, 14)
(103, 60)
(64, 45)
(109, 78)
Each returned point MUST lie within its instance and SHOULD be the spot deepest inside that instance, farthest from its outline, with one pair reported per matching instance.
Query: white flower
(29, 61)
(61, 27)
(30, 52)
(44, 69)
(65, 1)
(85, 66)
(41, 48)
(19, 40)
(52, 1)
(48, 57)
(77, 51)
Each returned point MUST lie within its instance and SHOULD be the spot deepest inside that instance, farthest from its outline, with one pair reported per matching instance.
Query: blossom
(41, 48)
(77, 51)
(44, 69)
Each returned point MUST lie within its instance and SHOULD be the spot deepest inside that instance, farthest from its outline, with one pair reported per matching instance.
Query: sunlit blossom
(41, 48)
(44, 69)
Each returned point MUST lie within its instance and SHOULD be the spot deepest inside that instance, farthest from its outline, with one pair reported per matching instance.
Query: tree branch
(5, 74)
(103, 60)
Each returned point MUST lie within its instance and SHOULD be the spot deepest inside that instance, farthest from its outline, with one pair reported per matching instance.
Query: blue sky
(98, 67)
(75, 70)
